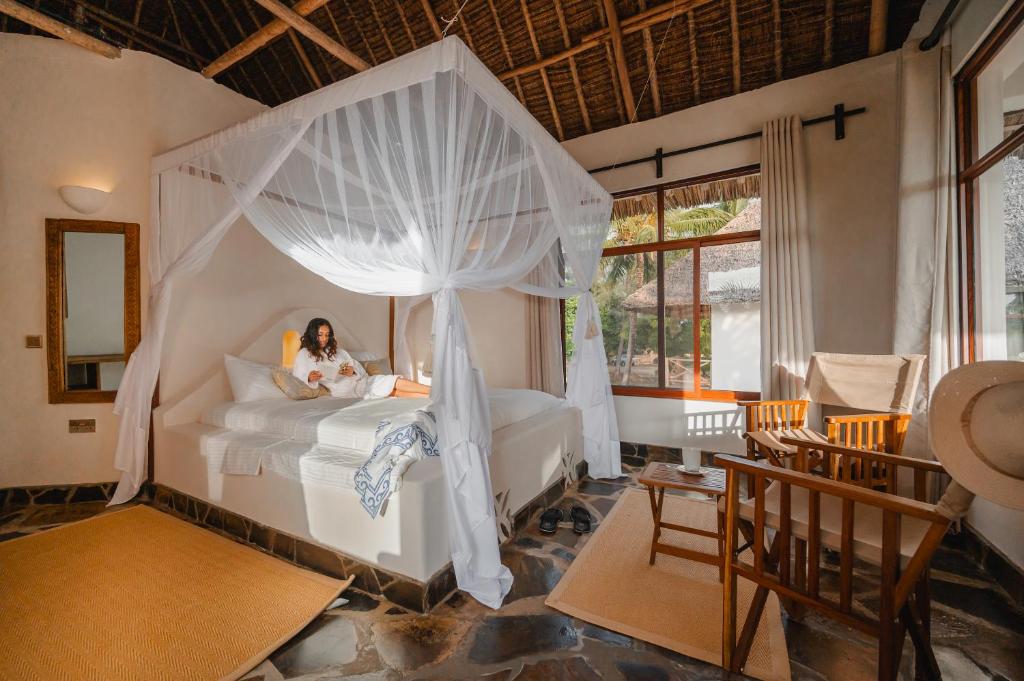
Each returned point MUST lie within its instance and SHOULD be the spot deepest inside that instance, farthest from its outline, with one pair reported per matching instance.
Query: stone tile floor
(978, 631)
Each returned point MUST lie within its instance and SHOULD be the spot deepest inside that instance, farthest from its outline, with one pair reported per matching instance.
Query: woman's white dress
(359, 385)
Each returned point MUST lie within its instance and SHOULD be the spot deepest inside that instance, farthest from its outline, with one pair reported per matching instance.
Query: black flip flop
(581, 520)
(549, 520)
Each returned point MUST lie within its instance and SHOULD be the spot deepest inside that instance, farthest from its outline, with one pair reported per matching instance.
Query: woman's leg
(407, 388)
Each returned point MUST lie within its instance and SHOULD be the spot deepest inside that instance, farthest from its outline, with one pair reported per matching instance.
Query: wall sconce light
(85, 200)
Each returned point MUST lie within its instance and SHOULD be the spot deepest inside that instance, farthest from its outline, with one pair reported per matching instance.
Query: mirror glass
(94, 330)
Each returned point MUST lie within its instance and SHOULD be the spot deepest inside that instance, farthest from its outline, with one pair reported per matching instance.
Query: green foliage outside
(621, 275)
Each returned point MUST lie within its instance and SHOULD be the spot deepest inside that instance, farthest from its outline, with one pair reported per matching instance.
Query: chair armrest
(866, 454)
(843, 490)
(864, 418)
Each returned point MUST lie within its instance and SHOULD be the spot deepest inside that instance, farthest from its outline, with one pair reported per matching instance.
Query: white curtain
(544, 345)
(926, 318)
(787, 328)
(419, 177)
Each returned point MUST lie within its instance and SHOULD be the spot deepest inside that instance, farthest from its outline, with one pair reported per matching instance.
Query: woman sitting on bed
(321, 361)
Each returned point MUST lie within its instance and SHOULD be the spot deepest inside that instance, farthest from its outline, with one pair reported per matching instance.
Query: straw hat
(976, 427)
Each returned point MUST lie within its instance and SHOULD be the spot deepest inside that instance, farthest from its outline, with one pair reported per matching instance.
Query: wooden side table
(658, 477)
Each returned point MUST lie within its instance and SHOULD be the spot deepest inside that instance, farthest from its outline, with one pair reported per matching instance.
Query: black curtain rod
(839, 115)
(935, 36)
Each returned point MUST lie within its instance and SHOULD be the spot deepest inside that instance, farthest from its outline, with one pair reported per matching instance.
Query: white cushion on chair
(867, 522)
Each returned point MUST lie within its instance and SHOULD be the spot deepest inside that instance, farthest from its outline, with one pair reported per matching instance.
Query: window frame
(970, 168)
(696, 392)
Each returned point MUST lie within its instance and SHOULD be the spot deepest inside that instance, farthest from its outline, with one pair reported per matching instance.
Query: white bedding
(329, 438)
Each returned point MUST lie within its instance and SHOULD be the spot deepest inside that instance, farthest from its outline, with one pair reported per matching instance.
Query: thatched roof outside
(726, 272)
(687, 196)
(696, 61)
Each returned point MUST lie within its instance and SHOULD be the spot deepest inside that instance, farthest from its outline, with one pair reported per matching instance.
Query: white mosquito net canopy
(419, 177)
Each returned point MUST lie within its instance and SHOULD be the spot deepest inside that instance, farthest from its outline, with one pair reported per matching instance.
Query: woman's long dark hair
(310, 342)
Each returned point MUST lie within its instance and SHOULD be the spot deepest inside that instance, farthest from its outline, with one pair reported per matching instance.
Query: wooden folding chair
(809, 512)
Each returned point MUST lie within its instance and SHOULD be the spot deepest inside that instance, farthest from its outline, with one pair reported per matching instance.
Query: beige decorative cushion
(293, 387)
(377, 367)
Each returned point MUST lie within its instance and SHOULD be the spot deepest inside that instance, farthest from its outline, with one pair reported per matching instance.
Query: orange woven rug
(675, 603)
(138, 594)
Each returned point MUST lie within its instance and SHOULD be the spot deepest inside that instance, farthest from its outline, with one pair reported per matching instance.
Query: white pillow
(251, 380)
(364, 355)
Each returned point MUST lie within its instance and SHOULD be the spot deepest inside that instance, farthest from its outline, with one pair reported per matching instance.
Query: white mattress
(345, 423)
(329, 438)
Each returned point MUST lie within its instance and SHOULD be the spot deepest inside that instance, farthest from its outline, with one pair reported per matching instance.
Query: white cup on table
(691, 459)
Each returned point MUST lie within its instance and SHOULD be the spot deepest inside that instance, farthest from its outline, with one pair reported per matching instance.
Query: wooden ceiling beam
(615, 31)
(505, 50)
(227, 45)
(118, 24)
(691, 27)
(830, 17)
(383, 31)
(258, 40)
(428, 11)
(405, 24)
(777, 37)
(56, 28)
(135, 19)
(580, 99)
(652, 64)
(610, 60)
(359, 29)
(637, 22)
(307, 29)
(543, 73)
(304, 58)
(653, 71)
(878, 27)
(734, 30)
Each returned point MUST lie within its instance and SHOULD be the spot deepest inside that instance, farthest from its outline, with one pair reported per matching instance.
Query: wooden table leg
(654, 517)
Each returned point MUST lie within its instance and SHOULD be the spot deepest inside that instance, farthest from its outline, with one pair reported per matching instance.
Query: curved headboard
(263, 346)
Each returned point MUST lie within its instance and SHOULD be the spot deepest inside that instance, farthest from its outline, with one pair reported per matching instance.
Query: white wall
(247, 285)
(497, 329)
(852, 210)
(68, 116)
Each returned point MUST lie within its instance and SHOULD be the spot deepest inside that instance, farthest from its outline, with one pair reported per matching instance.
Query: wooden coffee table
(660, 476)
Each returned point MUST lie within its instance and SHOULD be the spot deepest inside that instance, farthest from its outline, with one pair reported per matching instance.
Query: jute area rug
(675, 603)
(137, 594)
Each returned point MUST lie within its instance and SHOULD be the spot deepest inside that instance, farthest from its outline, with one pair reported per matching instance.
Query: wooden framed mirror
(92, 307)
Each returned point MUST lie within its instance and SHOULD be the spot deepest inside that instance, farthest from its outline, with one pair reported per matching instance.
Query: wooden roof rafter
(580, 99)
(505, 50)
(303, 26)
(428, 12)
(226, 43)
(615, 32)
(543, 74)
(259, 39)
(36, 19)
(652, 66)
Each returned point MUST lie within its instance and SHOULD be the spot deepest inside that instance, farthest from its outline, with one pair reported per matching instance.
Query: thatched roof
(737, 259)
(557, 56)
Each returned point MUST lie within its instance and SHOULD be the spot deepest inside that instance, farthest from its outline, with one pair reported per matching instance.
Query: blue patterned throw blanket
(397, 444)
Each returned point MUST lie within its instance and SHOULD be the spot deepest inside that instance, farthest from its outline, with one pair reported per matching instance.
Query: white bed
(296, 461)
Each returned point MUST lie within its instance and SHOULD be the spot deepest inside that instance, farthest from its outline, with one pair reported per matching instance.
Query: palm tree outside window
(679, 289)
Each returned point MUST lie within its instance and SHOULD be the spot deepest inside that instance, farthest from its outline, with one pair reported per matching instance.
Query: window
(990, 136)
(678, 289)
